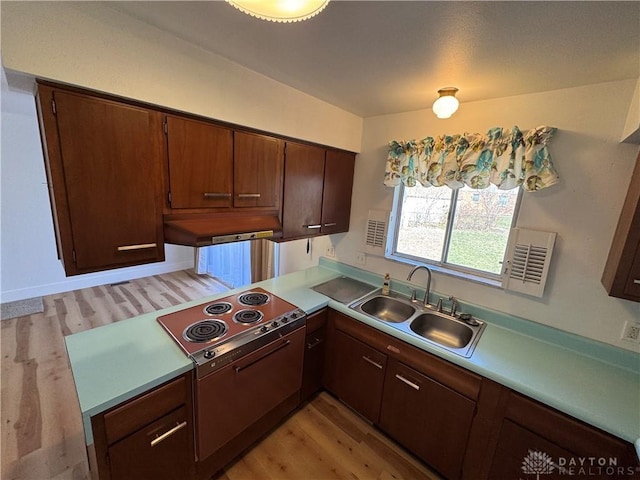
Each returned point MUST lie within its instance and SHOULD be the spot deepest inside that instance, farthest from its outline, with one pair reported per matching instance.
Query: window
(462, 230)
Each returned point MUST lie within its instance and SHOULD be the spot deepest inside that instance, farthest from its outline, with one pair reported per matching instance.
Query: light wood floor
(41, 431)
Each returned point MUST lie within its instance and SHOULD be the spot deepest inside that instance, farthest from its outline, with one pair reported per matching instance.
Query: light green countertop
(591, 381)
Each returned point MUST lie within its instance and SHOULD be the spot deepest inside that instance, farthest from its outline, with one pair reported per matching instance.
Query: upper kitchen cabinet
(317, 191)
(303, 183)
(336, 196)
(200, 164)
(104, 169)
(257, 170)
(621, 275)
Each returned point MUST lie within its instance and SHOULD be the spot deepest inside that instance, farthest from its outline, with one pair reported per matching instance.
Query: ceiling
(373, 58)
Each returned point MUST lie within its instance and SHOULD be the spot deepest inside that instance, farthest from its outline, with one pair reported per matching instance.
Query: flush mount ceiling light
(447, 103)
(280, 10)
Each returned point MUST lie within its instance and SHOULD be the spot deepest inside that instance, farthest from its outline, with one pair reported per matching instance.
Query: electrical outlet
(361, 258)
(631, 332)
(331, 252)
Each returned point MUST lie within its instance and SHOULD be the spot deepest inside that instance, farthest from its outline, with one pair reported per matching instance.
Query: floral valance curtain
(505, 158)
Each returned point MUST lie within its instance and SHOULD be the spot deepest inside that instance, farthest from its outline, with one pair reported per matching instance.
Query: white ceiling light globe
(447, 104)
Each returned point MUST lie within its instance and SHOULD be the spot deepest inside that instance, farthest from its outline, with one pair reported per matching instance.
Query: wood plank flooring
(41, 431)
(325, 440)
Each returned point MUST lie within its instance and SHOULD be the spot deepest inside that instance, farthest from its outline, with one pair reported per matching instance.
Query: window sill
(448, 271)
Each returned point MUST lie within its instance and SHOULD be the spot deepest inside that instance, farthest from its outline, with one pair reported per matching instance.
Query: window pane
(423, 222)
(481, 228)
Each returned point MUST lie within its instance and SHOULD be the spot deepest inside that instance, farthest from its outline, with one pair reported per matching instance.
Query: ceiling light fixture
(280, 10)
(447, 103)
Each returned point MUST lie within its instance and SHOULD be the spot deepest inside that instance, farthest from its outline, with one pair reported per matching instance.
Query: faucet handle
(413, 295)
(454, 305)
(439, 306)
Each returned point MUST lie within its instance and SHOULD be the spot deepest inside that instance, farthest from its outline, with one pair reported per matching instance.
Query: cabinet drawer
(316, 320)
(143, 410)
(159, 450)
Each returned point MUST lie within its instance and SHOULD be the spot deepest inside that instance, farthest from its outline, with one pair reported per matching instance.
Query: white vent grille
(376, 233)
(528, 259)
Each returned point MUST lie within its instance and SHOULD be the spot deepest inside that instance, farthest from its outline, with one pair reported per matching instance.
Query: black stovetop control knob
(264, 329)
(209, 354)
(275, 324)
(294, 315)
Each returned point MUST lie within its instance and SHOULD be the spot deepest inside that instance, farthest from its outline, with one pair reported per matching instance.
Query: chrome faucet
(426, 292)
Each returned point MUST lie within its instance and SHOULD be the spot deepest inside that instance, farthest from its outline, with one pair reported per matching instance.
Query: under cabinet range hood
(203, 229)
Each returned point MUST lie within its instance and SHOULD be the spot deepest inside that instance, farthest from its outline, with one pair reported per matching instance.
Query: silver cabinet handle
(415, 386)
(330, 224)
(165, 435)
(248, 195)
(216, 195)
(140, 246)
(636, 281)
(368, 360)
(313, 226)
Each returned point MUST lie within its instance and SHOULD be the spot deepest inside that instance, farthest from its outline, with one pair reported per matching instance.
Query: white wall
(90, 45)
(583, 209)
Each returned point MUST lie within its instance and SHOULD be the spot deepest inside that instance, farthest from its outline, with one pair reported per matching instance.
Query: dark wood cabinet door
(257, 168)
(528, 425)
(158, 451)
(632, 286)
(111, 166)
(303, 185)
(426, 417)
(621, 276)
(336, 197)
(314, 354)
(200, 163)
(357, 374)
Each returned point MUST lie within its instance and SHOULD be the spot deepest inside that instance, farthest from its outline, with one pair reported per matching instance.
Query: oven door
(234, 397)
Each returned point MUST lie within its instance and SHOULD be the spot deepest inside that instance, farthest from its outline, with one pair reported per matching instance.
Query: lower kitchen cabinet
(426, 417)
(355, 373)
(159, 450)
(314, 354)
(148, 437)
(535, 439)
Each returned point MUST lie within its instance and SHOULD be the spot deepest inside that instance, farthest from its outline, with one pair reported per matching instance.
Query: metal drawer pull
(637, 281)
(312, 226)
(330, 224)
(415, 386)
(216, 195)
(375, 364)
(317, 341)
(393, 349)
(141, 246)
(248, 195)
(162, 437)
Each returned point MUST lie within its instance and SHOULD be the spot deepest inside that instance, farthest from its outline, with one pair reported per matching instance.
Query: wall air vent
(376, 233)
(527, 261)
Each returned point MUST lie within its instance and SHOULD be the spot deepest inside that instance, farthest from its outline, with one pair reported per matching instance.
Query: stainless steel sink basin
(423, 323)
(442, 330)
(388, 309)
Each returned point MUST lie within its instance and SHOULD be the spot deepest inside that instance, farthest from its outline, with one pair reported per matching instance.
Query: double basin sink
(451, 333)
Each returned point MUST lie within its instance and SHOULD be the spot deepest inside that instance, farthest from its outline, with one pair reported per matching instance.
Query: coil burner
(205, 331)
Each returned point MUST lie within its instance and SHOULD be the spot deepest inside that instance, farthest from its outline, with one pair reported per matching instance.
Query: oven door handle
(280, 347)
